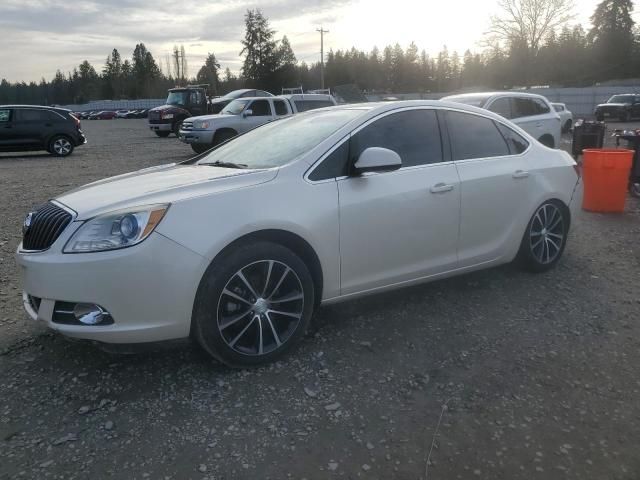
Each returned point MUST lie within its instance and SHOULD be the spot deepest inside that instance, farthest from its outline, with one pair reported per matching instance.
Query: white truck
(241, 115)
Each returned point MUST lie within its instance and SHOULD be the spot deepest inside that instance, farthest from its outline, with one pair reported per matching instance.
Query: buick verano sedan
(237, 247)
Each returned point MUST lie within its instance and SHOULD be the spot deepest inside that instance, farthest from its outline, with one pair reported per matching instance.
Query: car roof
(306, 96)
(495, 94)
(40, 107)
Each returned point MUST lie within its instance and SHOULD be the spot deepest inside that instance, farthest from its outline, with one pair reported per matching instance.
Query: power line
(322, 32)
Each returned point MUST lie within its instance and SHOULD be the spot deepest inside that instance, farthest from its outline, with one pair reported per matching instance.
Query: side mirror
(377, 159)
(247, 113)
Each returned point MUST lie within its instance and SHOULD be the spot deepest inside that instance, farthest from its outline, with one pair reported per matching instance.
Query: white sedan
(239, 246)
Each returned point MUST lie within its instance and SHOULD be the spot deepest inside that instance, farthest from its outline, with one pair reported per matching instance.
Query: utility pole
(322, 32)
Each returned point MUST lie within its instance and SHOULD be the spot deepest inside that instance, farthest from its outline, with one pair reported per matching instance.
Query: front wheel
(200, 147)
(60, 146)
(162, 134)
(545, 238)
(253, 304)
(176, 127)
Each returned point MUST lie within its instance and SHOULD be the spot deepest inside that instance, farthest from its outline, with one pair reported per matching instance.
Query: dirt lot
(514, 375)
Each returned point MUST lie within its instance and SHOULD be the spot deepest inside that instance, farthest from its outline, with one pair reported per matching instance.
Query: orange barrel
(606, 177)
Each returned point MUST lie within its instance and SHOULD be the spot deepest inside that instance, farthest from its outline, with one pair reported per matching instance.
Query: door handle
(441, 188)
(520, 174)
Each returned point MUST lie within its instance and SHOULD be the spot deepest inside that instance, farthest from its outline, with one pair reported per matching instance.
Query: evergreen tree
(259, 49)
(612, 38)
(208, 73)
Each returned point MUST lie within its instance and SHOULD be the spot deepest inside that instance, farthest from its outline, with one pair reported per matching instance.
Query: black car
(620, 107)
(28, 127)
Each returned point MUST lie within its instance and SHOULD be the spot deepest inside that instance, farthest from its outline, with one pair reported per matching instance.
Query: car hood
(161, 184)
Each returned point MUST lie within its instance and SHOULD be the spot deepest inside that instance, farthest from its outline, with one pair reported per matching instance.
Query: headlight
(167, 116)
(114, 230)
(201, 124)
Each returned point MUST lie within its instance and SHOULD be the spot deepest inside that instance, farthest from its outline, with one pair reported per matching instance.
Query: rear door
(496, 185)
(32, 126)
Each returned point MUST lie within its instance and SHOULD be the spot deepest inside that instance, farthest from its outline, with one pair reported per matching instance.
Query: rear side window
(281, 108)
(527, 107)
(29, 115)
(474, 137)
(260, 108)
(305, 105)
(335, 165)
(4, 115)
(501, 106)
(541, 106)
(517, 143)
(413, 134)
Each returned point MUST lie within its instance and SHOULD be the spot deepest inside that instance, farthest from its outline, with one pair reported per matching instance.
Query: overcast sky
(40, 36)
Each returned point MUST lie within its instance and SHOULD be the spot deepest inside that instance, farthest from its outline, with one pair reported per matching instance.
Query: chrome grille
(47, 223)
(187, 126)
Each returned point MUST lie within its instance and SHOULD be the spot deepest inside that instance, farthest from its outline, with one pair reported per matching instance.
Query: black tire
(200, 147)
(223, 136)
(547, 141)
(60, 146)
(161, 134)
(567, 126)
(232, 335)
(539, 257)
(177, 125)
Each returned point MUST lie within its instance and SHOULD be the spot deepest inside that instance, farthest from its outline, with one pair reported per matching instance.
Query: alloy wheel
(260, 307)
(62, 146)
(547, 233)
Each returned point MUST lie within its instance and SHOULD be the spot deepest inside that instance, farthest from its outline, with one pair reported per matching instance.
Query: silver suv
(533, 113)
(244, 114)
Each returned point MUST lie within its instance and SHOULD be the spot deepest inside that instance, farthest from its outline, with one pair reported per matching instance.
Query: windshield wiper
(226, 164)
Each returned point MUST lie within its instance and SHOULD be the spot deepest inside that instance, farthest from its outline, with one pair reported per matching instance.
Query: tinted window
(474, 137)
(501, 106)
(517, 143)
(260, 108)
(196, 97)
(304, 105)
(281, 108)
(335, 165)
(4, 115)
(414, 135)
(558, 108)
(250, 93)
(540, 106)
(29, 115)
(523, 107)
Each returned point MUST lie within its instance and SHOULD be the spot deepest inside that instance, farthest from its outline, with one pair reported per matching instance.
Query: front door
(260, 113)
(401, 225)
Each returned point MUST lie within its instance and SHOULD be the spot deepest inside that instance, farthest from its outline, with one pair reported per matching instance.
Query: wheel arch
(292, 241)
(222, 130)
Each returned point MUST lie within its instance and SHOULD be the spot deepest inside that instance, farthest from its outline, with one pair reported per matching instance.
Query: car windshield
(178, 98)
(621, 99)
(235, 107)
(473, 100)
(278, 143)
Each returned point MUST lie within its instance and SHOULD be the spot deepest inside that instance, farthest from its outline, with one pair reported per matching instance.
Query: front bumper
(161, 127)
(204, 137)
(148, 289)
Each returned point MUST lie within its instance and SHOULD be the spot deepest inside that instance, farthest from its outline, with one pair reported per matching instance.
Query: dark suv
(27, 127)
(620, 107)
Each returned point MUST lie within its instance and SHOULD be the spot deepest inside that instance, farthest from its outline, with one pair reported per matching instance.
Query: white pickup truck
(241, 115)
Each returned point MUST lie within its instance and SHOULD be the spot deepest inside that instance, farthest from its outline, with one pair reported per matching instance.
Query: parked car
(238, 247)
(27, 127)
(620, 107)
(121, 113)
(244, 114)
(144, 113)
(531, 112)
(103, 115)
(132, 114)
(191, 101)
(566, 117)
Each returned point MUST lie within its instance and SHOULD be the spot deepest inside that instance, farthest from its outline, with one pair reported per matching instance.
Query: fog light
(89, 314)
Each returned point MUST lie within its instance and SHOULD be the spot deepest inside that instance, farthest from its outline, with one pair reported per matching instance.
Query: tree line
(531, 43)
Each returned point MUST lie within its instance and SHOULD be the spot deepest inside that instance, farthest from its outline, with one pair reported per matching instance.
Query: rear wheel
(60, 146)
(162, 134)
(545, 238)
(253, 304)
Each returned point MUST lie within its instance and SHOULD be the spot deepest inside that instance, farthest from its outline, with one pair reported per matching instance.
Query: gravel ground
(497, 375)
